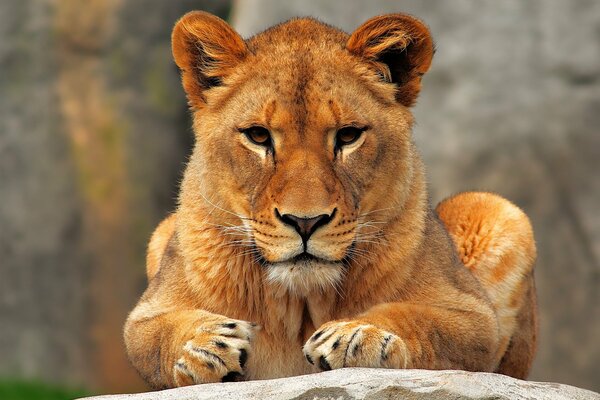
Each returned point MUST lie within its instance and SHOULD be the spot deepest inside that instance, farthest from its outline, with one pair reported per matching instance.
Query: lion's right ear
(206, 49)
(399, 47)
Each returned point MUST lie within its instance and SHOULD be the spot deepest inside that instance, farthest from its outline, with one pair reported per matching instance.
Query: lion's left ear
(399, 47)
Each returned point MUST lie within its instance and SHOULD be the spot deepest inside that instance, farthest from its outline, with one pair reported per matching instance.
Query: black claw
(183, 368)
(336, 344)
(231, 377)
(209, 354)
(243, 357)
(324, 364)
(221, 345)
(309, 359)
(230, 325)
(316, 336)
(384, 345)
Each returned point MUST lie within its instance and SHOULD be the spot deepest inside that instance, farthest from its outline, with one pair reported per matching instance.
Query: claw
(232, 377)
(324, 364)
(243, 357)
(316, 336)
(309, 359)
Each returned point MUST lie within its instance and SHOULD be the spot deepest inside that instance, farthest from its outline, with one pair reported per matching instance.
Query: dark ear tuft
(398, 47)
(206, 49)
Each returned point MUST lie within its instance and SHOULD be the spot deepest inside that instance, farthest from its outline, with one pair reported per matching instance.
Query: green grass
(24, 390)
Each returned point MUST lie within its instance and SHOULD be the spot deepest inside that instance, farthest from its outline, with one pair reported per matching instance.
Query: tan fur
(157, 245)
(228, 297)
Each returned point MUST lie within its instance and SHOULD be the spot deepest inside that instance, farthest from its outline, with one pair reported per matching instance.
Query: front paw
(216, 352)
(339, 344)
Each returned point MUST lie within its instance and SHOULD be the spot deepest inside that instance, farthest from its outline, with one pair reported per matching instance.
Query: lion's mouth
(303, 259)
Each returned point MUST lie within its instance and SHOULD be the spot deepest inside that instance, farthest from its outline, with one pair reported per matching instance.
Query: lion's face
(306, 149)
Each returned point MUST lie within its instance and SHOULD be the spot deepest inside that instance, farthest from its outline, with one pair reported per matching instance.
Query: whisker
(224, 210)
(370, 222)
(374, 211)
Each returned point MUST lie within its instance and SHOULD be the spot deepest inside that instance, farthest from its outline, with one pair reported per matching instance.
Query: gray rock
(364, 383)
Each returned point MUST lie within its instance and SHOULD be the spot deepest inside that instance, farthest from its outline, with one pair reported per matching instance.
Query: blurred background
(94, 134)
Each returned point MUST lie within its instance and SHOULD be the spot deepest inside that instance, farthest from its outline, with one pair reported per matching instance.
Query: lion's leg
(519, 355)
(157, 245)
(495, 241)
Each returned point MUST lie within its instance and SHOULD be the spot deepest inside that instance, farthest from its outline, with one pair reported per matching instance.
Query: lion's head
(303, 136)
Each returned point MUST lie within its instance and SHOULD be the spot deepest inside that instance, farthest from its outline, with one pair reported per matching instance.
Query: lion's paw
(340, 344)
(217, 352)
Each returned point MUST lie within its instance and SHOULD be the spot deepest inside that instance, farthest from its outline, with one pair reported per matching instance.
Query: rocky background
(94, 133)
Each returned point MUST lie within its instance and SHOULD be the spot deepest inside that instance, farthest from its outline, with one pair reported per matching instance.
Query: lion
(304, 239)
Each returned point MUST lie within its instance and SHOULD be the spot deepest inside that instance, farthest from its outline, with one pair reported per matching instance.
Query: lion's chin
(305, 276)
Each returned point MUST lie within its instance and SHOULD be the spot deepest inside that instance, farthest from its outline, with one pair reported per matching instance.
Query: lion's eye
(258, 135)
(348, 135)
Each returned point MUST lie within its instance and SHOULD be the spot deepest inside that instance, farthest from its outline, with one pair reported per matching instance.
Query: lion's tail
(495, 241)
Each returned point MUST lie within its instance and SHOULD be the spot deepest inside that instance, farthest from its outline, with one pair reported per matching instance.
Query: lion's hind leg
(495, 241)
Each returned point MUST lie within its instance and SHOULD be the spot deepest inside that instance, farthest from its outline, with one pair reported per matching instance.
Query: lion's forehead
(298, 90)
(295, 75)
(300, 61)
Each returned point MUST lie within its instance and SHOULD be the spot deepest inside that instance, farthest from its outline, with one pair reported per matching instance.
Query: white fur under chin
(303, 278)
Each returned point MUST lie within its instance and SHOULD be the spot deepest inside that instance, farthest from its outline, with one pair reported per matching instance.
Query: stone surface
(510, 106)
(363, 383)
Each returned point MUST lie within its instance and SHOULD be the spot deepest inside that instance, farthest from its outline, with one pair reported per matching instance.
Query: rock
(365, 383)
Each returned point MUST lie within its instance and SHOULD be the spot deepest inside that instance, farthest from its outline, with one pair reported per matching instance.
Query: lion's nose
(305, 226)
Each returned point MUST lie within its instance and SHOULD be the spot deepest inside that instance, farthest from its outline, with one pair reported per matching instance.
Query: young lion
(304, 240)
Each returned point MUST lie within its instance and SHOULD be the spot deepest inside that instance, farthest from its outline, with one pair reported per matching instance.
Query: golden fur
(235, 291)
